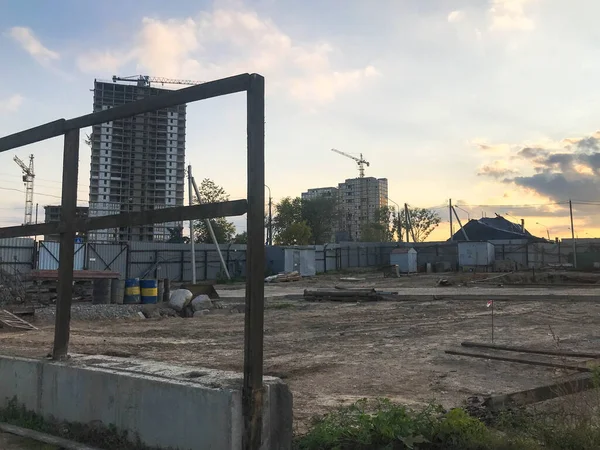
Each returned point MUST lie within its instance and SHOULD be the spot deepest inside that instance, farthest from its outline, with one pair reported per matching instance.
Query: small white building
(405, 259)
(474, 256)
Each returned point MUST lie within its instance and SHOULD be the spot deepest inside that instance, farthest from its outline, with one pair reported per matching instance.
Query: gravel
(87, 311)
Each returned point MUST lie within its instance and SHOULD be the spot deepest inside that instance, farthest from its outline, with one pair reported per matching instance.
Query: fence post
(182, 264)
(67, 245)
(205, 264)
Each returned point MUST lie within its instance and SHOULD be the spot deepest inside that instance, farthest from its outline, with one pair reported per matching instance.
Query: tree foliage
(176, 236)
(297, 233)
(241, 238)
(210, 192)
(423, 222)
(381, 229)
(318, 215)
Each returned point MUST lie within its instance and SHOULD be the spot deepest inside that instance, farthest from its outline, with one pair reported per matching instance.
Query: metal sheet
(48, 256)
(16, 255)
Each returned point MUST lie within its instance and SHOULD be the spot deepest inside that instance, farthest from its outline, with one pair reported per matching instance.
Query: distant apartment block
(328, 192)
(358, 200)
(52, 214)
(137, 163)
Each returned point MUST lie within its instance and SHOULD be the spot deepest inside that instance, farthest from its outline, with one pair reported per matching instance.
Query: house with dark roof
(493, 229)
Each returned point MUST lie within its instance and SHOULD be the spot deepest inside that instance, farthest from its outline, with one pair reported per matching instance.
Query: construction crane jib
(146, 81)
(360, 161)
(28, 176)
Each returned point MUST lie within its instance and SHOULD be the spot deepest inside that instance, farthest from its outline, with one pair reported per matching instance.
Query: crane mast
(360, 161)
(145, 80)
(28, 176)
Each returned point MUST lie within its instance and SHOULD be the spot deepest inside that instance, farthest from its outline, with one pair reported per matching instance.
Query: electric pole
(450, 213)
(573, 236)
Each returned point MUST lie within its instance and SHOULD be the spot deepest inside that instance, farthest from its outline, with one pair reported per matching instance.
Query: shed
(476, 255)
(405, 259)
(290, 259)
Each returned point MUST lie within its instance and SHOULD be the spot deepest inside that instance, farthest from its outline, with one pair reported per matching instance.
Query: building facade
(137, 163)
(328, 192)
(52, 214)
(359, 199)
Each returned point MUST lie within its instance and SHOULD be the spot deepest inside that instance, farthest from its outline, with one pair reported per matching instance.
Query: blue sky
(441, 97)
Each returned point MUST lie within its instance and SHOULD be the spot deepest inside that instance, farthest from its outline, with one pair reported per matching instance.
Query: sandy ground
(334, 353)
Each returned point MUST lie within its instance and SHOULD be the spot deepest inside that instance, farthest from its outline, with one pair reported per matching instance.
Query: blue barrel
(149, 291)
(132, 291)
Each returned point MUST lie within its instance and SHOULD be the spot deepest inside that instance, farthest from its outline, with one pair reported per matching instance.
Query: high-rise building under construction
(137, 163)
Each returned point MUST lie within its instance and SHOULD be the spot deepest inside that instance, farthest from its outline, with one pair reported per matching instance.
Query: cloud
(11, 104)
(32, 45)
(224, 42)
(456, 16)
(510, 15)
(496, 170)
(484, 146)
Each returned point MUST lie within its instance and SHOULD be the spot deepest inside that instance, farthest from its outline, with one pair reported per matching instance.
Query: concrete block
(167, 406)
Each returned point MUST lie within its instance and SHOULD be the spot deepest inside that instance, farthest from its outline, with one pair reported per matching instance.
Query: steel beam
(252, 392)
(225, 86)
(67, 245)
(175, 214)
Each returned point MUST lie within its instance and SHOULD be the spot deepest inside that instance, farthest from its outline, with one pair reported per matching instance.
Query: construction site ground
(333, 353)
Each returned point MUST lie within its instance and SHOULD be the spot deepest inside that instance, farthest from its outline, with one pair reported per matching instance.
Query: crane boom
(360, 161)
(145, 80)
(21, 164)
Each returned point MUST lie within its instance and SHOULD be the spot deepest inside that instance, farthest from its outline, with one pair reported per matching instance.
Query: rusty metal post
(67, 245)
(252, 392)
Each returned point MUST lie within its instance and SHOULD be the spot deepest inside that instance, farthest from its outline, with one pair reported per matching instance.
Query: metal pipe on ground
(511, 348)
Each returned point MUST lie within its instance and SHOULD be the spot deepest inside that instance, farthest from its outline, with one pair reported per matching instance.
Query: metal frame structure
(253, 206)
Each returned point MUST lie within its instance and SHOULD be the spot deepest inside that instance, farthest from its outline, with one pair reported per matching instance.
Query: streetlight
(547, 229)
(464, 210)
(270, 229)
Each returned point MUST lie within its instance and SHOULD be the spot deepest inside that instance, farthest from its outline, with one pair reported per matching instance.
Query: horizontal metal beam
(176, 214)
(224, 86)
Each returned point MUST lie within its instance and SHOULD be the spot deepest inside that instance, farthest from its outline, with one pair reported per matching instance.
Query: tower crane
(28, 176)
(360, 161)
(145, 80)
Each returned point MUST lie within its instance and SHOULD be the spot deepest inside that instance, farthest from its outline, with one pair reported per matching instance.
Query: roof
(493, 228)
(403, 250)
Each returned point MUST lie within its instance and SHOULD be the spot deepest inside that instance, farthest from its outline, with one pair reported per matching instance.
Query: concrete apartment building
(358, 200)
(52, 214)
(329, 192)
(137, 163)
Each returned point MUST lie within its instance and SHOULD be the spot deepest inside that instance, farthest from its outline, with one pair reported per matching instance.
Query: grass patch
(382, 425)
(94, 435)
(281, 306)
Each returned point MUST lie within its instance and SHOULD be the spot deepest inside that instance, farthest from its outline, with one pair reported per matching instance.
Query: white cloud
(225, 42)
(510, 15)
(11, 104)
(456, 16)
(32, 45)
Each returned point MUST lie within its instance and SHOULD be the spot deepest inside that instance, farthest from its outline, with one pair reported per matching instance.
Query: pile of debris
(284, 277)
(343, 295)
(181, 303)
(11, 289)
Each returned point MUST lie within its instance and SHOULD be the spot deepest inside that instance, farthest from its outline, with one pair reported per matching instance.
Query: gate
(49, 253)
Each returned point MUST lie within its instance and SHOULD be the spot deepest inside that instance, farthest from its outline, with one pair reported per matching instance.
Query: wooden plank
(35, 134)
(224, 86)
(580, 383)
(175, 214)
(252, 390)
(68, 213)
(10, 320)
(510, 348)
(520, 361)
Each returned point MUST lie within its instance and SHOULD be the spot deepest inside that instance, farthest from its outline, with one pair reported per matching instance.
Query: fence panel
(48, 254)
(17, 255)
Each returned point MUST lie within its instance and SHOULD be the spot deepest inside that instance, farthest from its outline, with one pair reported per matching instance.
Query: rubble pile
(284, 277)
(11, 289)
(181, 303)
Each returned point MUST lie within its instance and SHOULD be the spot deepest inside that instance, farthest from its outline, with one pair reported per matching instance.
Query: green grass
(382, 425)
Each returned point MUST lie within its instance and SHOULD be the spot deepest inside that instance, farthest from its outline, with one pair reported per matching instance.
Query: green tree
(380, 229)
(297, 233)
(241, 238)
(210, 192)
(320, 214)
(423, 222)
(176, 236)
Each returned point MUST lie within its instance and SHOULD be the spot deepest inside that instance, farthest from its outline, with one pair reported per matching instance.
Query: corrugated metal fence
(173, 261)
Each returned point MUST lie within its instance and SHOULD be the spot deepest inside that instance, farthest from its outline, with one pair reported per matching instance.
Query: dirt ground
(334, 353)
(11, 442)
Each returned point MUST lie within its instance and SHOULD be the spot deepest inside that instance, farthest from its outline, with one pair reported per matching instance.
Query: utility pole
(407, 221)
(573, 236)
(191, 202)
(450, 212)
(270, 224)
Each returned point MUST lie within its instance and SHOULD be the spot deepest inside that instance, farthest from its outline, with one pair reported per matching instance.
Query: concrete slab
(179, 407)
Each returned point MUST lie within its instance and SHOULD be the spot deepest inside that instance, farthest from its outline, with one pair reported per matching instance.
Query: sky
(488, 102)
